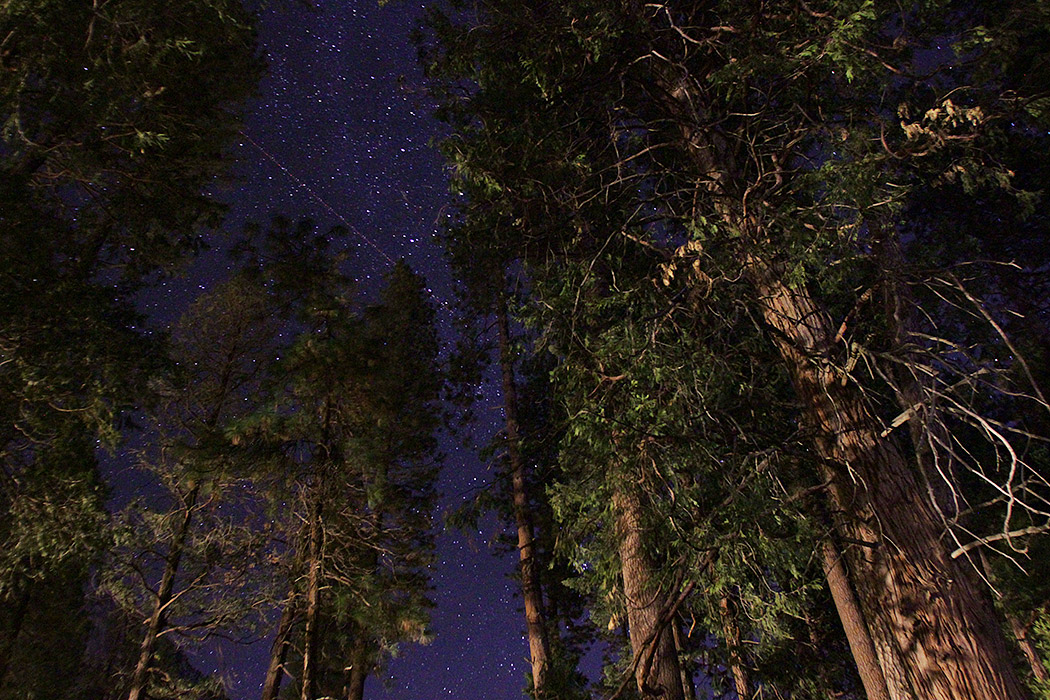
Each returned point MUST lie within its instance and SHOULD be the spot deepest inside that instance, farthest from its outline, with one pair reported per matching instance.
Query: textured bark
(936, 633)
(313, 604)
(731, 633)
(657, 670)
(156, 623)
(279, 650)
(355, 686)
(1028, 648)
(853, 624)
(532, 593)
(688, 688)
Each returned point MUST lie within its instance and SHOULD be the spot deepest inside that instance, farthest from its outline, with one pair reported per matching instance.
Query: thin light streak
(320, 200)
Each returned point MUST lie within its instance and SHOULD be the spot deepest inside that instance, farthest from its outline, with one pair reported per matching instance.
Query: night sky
(341, 132)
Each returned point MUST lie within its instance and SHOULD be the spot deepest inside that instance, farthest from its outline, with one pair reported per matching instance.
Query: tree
(755, 145)
(113, 127)
(350, 430)
(183, 564)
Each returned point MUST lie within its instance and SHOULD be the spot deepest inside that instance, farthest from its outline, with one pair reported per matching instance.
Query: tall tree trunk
(1019, 628)
(853, 624)
(359, 668)
(155, 626)
(936, 634)
(688, 688)
(279, 650)
(363, 645)
(532, 594)
(657, 671)
(313, 602)
(731, 632)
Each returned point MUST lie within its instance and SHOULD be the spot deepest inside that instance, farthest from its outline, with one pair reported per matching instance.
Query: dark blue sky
(339, 136)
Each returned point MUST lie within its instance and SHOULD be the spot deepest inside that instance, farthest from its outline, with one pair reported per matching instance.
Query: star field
(339, 133)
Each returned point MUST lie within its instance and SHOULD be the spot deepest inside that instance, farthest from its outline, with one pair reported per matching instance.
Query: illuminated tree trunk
(1028, 648)
(688, 688)
(140, 677)
(532, 594)
(853, 624)
(313, 603)
(656, 670)
(936, 634)
(731, 632)
(279, 650)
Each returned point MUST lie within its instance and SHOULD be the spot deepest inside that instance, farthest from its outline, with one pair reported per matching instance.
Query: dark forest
(760, 290)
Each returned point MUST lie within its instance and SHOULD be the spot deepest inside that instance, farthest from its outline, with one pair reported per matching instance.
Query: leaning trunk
(935, 631)
(656, 668)
(535, 623)
(279, 650)
(1028, 648)
(936, 634)
(157, 620)
(853, 624)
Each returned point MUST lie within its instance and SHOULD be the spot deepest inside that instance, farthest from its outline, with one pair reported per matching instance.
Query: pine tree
(350, 434)
(752, 149)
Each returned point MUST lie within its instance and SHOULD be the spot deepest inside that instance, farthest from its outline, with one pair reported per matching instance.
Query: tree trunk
(853, 624)
(1028, 648)
(313, 602)
(532, 594)
(731, 634)
(359, 668)
(688, 688)
(927, 616)
(279, 650)
(656, 668)
(155, 626)
(936, 634)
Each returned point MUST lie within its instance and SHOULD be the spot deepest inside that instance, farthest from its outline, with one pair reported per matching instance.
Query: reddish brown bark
(853, 624)
(731, 633)
(1028, 648)
(688, 688)
(936, 634)
(657, 670)
(532, 593)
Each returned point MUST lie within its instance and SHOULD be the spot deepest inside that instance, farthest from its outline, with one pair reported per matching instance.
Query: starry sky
(341, 132)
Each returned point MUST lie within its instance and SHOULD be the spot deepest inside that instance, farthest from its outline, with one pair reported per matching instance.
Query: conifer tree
(755, 146)
(349, 431)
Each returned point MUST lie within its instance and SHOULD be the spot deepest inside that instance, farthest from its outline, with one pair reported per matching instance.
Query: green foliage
(637, 164)
(348, 427)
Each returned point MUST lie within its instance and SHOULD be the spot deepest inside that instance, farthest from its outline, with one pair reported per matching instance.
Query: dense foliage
(767, 245)
(764, 286)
